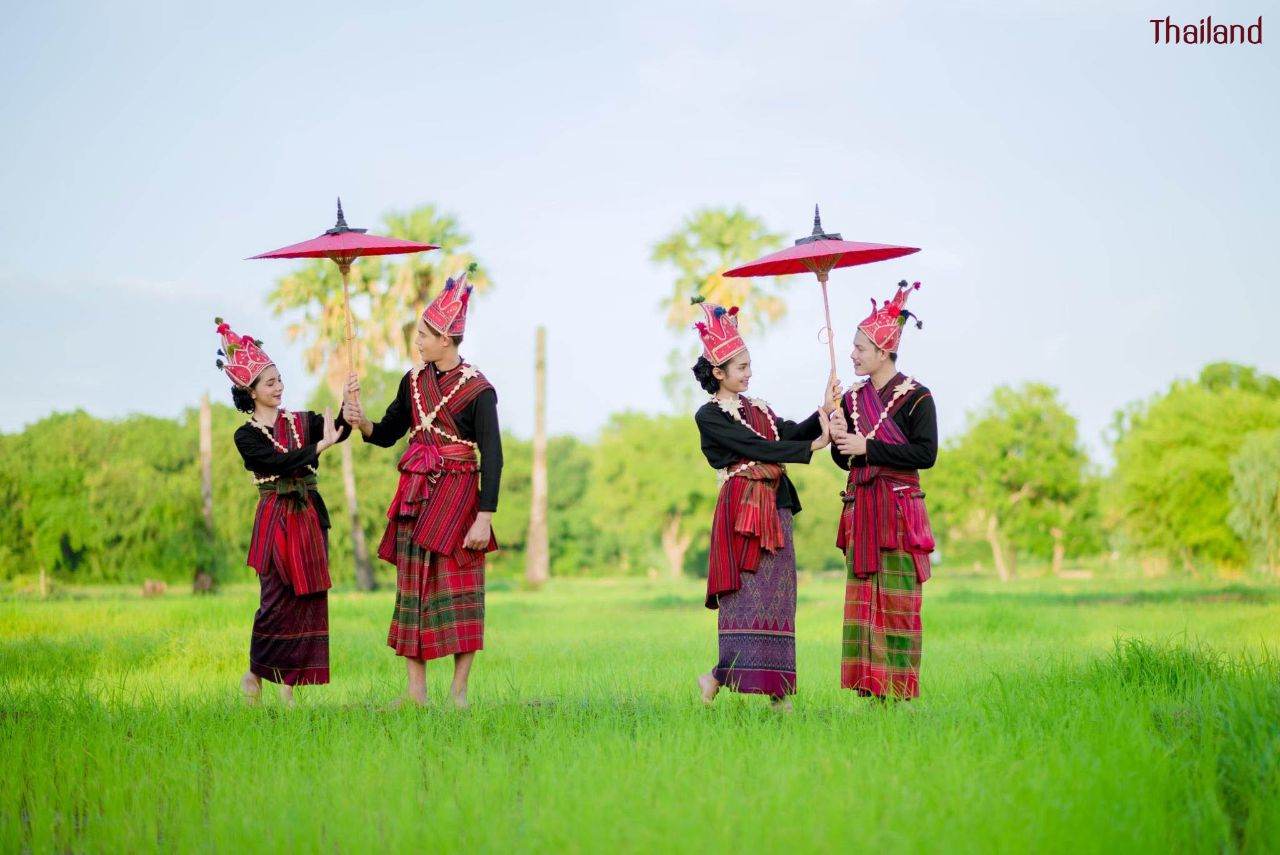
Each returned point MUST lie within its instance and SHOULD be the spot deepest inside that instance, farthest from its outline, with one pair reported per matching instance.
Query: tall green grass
(1055, 717)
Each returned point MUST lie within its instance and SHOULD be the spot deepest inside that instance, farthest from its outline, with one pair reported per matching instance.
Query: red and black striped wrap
(287, 538)
(439, 479)
(746, 521)
(884, 508)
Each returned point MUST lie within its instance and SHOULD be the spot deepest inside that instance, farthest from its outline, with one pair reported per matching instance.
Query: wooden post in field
(537, 567)
(205, 578)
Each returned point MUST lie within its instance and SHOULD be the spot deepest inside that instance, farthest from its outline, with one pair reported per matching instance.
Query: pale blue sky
(1095, 212)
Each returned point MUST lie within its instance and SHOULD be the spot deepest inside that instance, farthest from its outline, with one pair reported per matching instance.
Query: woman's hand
(831, 397)
(480, 532)
(331, 433)
(824, 439)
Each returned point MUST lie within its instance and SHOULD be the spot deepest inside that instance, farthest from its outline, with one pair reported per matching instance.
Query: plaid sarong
(439, 604)
(880, 653)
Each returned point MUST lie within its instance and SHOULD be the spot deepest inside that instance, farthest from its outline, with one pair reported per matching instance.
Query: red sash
(746, 520)
(439, 488)
(884, 508)
(287, 536)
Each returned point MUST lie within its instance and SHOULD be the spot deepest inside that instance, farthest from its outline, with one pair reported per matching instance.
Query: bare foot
(781, 705)
(286, 696)
(709, 686)
(401, 701)
(251, 687)
(459, 700)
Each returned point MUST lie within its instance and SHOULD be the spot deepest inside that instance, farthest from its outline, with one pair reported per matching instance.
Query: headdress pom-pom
(719, 312)
(220, 363)
(916, 286)
(733, 310)
(702, 328)
(695, 300)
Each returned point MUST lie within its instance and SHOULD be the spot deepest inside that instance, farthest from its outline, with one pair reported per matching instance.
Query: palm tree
(708, 242)
(316, 291)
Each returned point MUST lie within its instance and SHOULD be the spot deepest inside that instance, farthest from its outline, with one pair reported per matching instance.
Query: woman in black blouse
(289, 544)
(751, 577)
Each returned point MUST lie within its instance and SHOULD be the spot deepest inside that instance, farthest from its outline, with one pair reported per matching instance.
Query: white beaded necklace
(270, 435)
(727, 473)
(907, 385)
(734, 414)
(427, 421)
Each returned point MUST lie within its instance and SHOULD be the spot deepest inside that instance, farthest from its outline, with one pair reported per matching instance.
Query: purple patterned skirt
(757, 625)
(290, 642)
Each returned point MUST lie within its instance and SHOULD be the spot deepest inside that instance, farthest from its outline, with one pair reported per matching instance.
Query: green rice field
(1061, 716)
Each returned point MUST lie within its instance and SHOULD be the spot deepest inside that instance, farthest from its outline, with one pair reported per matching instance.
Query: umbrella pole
(344, 267)
(831, 335)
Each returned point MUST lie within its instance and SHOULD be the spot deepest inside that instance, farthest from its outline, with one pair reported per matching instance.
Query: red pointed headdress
(884, 325)
(719, 333)
(241, 356)
(447, 313)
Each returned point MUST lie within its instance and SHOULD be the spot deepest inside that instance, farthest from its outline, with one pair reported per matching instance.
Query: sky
(1094, 211)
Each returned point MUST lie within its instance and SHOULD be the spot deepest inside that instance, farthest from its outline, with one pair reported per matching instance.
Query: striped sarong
(880, 652)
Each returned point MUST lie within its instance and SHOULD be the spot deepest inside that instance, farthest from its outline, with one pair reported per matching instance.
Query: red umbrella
(820, 253)
(344, 245)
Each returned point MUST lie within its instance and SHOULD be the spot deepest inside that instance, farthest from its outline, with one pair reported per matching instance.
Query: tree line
(118, 500)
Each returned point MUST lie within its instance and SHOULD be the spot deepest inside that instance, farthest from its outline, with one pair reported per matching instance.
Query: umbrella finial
(341, 227)
(818, 233)
(817, 218)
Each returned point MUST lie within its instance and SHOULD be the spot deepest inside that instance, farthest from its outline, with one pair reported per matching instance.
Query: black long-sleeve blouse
(918, 420)
(477, 422)
(725, 441)
(263, 459)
